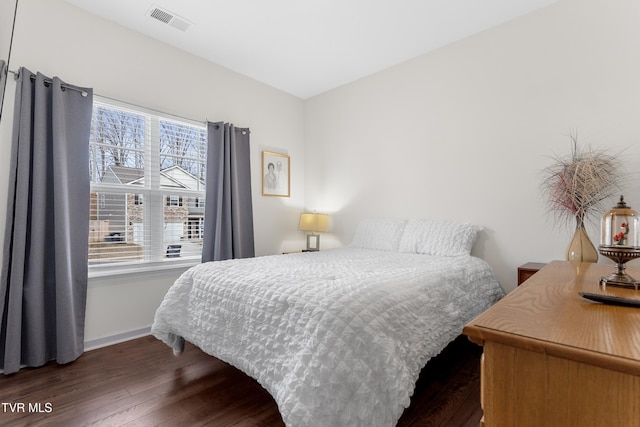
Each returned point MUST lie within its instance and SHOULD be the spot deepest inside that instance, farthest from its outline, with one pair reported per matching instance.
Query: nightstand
(527, 270)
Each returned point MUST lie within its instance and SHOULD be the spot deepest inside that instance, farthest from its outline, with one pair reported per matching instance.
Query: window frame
(150, 196)
(174, 201)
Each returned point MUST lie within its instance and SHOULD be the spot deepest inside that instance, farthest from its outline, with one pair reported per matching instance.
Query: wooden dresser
(553, 358)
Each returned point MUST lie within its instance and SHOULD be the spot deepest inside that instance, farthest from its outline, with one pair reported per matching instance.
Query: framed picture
(275, 174)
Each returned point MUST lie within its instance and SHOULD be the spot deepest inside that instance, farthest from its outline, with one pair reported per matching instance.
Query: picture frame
(276, 173)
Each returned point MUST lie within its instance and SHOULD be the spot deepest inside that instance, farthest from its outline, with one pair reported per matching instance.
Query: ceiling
(306, 47)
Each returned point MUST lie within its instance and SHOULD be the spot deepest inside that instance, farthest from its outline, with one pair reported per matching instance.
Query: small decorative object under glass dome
(620, 242)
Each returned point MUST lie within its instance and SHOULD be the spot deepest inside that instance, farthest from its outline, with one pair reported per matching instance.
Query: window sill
(113, 271)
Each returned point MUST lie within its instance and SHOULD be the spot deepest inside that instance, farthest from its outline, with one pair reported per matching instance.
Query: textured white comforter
(338, 337)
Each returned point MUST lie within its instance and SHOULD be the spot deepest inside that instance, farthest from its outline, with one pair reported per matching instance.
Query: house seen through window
(147, 186)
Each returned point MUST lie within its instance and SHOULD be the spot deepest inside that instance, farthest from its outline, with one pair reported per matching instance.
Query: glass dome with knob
(620, 242)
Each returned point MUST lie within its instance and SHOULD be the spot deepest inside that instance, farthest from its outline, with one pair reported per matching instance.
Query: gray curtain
(228, 214)
(44, 268)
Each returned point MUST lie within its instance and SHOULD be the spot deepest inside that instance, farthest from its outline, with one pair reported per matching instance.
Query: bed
(338, 337)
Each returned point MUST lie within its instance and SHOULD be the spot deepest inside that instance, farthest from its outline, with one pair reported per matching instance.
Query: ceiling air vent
(169, 18)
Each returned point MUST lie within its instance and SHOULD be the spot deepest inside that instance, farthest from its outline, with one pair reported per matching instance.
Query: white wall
(7, 8)
(58, 39)
(458, 133)
(464, 131)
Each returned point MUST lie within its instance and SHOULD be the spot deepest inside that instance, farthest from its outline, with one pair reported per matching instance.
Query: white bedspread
(338, 337)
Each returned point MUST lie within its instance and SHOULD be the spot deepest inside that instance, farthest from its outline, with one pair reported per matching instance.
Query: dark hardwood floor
(141, 383)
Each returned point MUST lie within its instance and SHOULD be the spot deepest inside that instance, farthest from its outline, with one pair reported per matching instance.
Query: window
(174, 201)
(147, 187)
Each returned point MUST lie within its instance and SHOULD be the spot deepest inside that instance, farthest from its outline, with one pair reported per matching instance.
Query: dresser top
(546, 315)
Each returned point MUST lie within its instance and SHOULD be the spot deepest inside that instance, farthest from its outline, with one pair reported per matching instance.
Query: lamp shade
(314, 222)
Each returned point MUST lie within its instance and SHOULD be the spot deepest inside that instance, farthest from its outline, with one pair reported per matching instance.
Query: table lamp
(313, 222)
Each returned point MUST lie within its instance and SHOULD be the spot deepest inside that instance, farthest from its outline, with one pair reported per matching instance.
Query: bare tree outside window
(118, 140)
(182, 146)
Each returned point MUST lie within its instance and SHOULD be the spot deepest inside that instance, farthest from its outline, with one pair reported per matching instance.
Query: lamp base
(313, 242)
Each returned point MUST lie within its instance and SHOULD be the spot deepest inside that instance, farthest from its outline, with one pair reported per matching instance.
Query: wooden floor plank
(141, 383)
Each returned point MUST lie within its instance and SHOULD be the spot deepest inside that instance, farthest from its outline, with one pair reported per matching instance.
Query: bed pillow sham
(438, 237)
(379, 234)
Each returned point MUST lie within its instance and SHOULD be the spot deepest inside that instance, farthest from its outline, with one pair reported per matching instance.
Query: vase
(581, 249)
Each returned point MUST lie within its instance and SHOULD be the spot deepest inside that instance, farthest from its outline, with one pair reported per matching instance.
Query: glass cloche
(620, 226)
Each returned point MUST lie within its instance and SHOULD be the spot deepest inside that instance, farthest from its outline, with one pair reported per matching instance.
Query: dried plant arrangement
(578, 186)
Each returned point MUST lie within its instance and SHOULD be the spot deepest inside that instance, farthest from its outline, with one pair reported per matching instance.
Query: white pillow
(380, 234)
(438, 237)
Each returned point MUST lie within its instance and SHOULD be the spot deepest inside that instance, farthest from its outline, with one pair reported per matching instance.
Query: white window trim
(152, 197)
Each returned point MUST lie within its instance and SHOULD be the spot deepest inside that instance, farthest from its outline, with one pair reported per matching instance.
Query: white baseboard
(111, 340)
(115, 339)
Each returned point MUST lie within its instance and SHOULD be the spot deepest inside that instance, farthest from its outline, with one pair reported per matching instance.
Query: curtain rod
(16, 74)
(48, 80)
